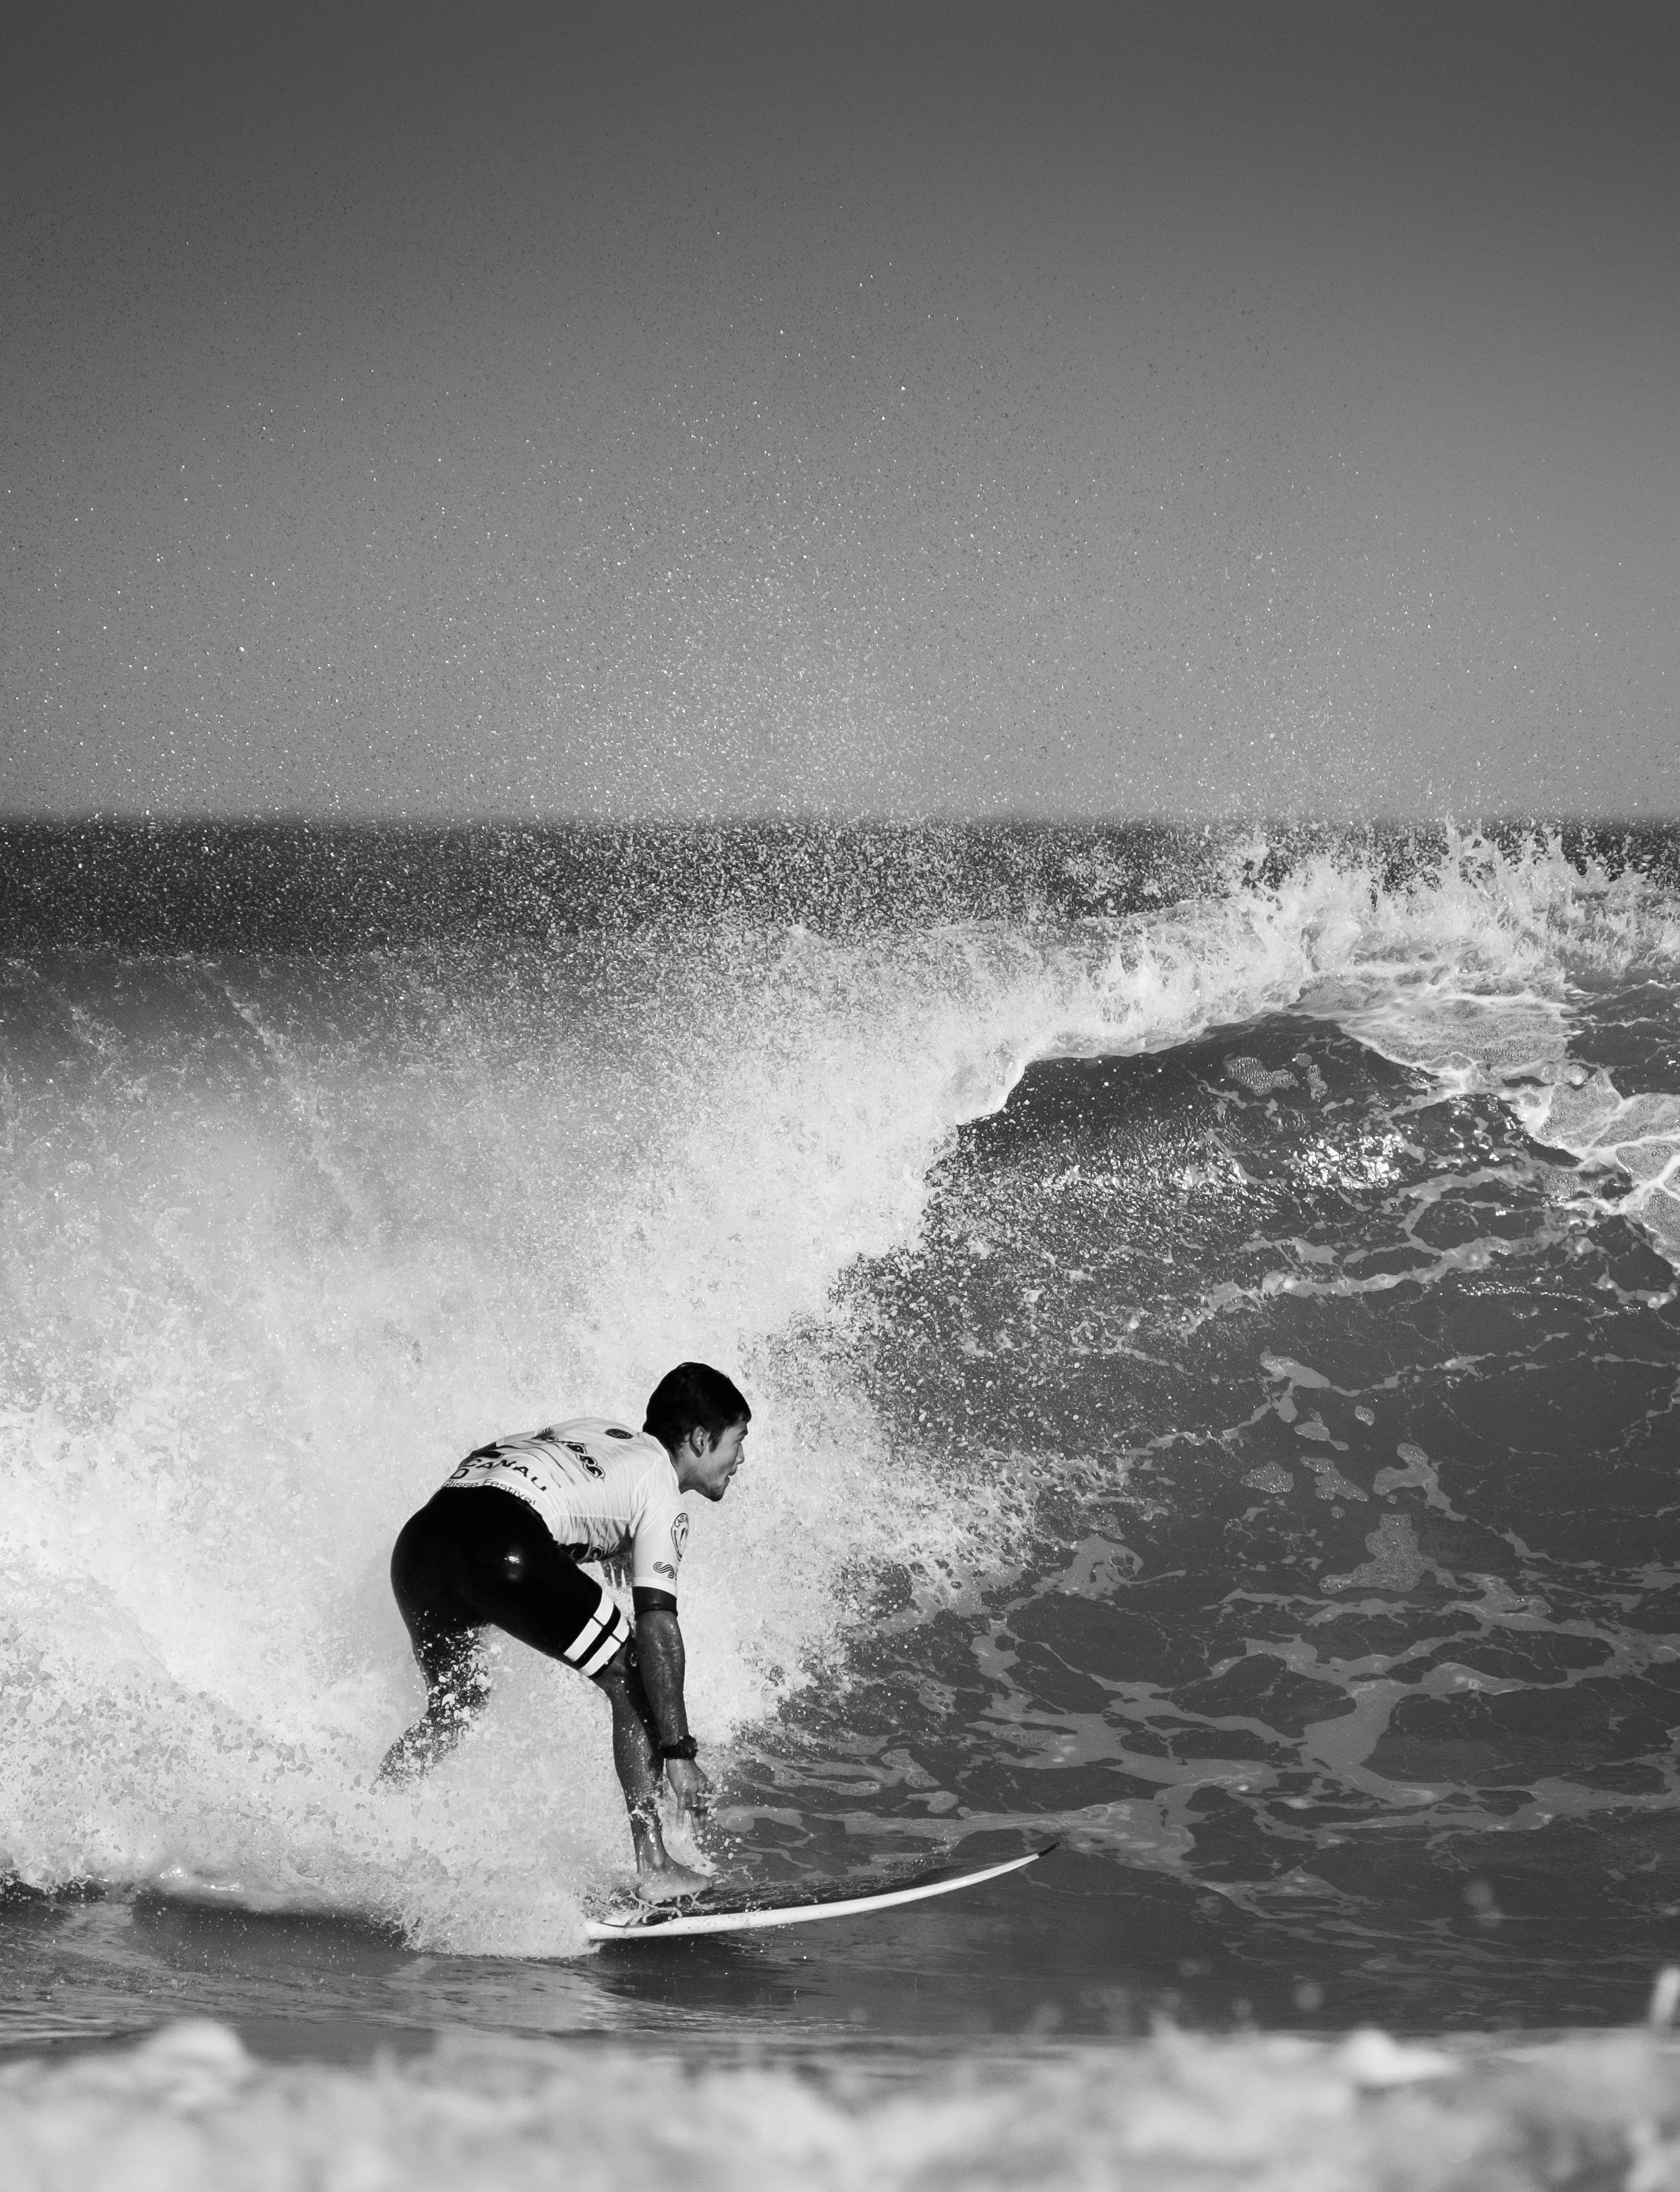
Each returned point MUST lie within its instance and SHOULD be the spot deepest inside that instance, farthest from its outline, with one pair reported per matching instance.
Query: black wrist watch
(686, 1748)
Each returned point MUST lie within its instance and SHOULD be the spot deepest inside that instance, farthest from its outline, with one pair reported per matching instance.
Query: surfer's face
(708, 1469)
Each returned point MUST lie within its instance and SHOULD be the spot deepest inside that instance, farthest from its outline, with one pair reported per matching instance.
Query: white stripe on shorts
(599, 1637)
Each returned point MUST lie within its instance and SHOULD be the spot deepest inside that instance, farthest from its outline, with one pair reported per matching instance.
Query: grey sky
(537, 412)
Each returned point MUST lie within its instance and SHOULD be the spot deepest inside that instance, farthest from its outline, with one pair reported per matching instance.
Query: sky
(529, 412)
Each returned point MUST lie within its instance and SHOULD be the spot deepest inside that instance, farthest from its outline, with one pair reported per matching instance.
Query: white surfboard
(752, 1911)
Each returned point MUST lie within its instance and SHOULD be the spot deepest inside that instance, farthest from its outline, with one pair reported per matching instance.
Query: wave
(289, 1231)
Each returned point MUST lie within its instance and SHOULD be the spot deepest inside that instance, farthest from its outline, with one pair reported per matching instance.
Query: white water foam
(1638, 1135)
(190, 2107)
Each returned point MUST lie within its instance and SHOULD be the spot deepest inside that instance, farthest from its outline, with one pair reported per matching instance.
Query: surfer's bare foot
(668, 1882)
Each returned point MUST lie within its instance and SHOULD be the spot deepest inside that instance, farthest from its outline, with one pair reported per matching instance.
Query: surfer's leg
(480, 1557)
(510, 1571)
(513, 1574)
(457, 1689)
(444, 1633)
(636, 1753)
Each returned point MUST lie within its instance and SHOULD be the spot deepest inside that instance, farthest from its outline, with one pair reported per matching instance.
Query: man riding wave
(499, 1546)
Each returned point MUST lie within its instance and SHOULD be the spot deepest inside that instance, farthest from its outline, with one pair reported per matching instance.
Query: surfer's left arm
(663, 1662)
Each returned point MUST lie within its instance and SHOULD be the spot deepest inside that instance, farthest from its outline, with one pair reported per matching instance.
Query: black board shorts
(474, 1557)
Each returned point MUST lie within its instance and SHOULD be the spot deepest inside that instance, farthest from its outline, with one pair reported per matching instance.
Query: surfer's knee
(619, 1675)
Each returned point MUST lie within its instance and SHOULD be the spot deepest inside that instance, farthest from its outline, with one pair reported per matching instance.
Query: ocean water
(1211, 1307)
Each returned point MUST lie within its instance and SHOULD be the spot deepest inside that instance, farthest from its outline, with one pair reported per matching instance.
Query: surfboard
(750, 1910)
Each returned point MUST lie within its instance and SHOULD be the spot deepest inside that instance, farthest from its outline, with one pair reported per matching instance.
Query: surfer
(499, 1546)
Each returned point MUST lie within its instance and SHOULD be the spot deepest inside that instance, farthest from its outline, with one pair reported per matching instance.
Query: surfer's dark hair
(694, 1395)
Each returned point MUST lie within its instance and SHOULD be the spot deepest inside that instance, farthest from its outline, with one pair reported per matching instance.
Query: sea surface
(1211, 1301)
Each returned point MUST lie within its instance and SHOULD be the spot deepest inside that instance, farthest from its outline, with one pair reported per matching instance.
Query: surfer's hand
(689, 1786)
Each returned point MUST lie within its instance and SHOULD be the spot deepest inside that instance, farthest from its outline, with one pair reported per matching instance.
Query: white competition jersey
(605, 1492)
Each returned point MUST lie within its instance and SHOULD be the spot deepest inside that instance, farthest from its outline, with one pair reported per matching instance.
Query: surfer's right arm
(662, 1663)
